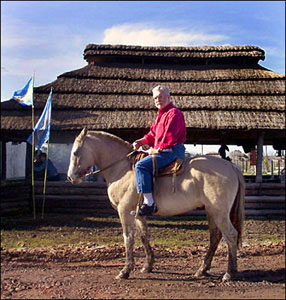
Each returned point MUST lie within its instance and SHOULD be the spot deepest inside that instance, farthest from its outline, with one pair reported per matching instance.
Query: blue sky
(48, 37)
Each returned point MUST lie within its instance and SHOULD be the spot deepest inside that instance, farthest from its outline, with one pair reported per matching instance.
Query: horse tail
(237, 213)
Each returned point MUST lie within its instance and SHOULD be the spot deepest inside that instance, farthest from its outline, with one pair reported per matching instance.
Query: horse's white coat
(206, 181)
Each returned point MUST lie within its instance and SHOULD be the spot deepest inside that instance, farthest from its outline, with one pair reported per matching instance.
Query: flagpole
(33, 153)
(45, 180)
(45, 177)
(42, 128)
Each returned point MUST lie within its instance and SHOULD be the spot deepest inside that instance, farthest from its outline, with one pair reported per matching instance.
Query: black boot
(146, 210)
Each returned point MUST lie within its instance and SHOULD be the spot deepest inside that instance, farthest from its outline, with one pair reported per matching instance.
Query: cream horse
(206, 181)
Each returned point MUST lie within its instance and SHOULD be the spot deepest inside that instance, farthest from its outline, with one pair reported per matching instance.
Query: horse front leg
(128, 226)
(142, 230)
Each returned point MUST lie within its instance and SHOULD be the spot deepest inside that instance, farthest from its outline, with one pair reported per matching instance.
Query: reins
(109, 166)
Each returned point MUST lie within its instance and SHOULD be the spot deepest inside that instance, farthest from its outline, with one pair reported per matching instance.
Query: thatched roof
(201, 52)
(222, 89)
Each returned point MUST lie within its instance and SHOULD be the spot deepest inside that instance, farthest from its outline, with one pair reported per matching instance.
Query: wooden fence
(262, 199)
(15, 196)
(91, 197)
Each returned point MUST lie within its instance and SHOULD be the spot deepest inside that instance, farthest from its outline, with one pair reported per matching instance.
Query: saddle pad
(174, 167)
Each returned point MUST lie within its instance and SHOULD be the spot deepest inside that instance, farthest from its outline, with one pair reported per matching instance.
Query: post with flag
(42, 129)
(41, 134)
(25, 95)
(25, 98)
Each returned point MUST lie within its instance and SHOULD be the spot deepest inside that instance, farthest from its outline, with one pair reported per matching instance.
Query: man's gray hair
(164, 89)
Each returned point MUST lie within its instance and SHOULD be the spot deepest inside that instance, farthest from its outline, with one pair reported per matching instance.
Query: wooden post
(259, 161)
(3, 160)
(28, 160)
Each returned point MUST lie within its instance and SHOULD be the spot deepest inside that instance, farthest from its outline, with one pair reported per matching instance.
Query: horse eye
(75, 153)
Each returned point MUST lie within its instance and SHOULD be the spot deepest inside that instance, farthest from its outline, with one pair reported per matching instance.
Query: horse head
(80, 159)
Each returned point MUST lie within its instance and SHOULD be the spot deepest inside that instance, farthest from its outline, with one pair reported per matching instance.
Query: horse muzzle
(74, 179)
(69, 179)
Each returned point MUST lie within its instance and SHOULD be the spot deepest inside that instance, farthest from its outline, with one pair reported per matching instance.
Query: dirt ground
(88, 271)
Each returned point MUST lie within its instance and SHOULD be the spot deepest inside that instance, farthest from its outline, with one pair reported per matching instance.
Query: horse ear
(83, 132)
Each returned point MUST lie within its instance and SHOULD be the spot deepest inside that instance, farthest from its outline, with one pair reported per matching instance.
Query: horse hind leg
(230, 235)
(215, 237)
(141, 226)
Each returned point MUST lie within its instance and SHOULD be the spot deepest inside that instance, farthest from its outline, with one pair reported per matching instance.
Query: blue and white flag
(25, 95)
(43, 126)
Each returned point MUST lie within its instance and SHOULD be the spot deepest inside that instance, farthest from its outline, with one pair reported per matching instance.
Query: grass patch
(54, 230)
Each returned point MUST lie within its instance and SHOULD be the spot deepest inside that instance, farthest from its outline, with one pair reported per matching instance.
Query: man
(52, 172)
(39, 174)
(166, 139)
(221, 151)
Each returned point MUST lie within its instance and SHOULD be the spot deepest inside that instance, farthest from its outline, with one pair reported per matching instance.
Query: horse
(207, 181)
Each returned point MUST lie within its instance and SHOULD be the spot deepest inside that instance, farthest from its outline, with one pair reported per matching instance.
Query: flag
(25, 95)
(43, 126)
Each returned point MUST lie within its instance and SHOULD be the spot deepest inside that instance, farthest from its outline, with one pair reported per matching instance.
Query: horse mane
(111, 136)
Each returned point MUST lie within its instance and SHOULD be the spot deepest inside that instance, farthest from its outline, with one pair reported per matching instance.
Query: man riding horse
(166, 139)
(205, 181)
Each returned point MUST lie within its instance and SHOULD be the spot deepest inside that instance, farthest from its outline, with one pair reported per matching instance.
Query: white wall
(59, 154)
(203, 149)
(15, 160)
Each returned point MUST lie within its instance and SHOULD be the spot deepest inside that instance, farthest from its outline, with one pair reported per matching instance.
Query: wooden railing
(15, 196)
(262, 199)
(91, 197)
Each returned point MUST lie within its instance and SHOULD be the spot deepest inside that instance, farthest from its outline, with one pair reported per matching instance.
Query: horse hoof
(201, 274)
(146, 270)
(226, 277)
(122, 275)
(198, 274)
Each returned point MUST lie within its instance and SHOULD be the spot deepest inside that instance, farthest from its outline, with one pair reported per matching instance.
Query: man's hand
(137, 144)
(140, 143)
(155, 151)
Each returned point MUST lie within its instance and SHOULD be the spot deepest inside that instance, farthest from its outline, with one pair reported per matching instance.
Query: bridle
(85, 174)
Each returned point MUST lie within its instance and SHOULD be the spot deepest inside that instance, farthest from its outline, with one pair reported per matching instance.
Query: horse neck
(108, 151)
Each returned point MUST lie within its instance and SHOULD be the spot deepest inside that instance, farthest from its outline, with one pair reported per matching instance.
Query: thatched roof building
(223, 92)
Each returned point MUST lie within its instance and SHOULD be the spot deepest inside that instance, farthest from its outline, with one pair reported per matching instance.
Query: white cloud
(46, 70)
(274, 51)
(144, 35)
(45, 67)
(21, 34)
(18, 70)
(46, 50)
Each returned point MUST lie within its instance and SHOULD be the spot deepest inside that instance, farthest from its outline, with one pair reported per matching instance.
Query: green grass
(54, 230)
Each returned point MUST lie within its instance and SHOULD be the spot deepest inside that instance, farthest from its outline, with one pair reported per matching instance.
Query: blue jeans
(144, 167)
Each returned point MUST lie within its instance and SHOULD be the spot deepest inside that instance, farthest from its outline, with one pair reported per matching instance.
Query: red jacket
(168, 130)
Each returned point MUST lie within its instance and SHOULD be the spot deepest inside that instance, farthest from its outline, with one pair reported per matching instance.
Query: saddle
(173, 169)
